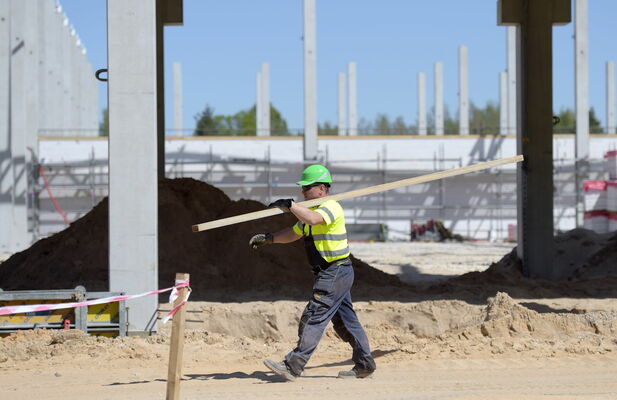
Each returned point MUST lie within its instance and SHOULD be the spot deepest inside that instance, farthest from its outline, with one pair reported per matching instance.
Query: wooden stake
(359, 192)
(176, 347)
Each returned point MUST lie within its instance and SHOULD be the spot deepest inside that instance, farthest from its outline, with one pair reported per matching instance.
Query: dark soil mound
(221, 264)
(584, 265)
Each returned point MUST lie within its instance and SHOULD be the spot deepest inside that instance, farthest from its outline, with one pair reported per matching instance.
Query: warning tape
(46, 307)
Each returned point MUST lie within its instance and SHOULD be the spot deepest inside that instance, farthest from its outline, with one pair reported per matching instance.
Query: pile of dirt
(584, 265)
(68, 345)
(221, 264)
(254, 330)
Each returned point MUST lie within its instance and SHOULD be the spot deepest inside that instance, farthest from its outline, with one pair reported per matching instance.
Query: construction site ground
(453, 347)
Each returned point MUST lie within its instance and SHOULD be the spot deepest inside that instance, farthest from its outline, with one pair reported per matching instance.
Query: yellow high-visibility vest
(330, 238)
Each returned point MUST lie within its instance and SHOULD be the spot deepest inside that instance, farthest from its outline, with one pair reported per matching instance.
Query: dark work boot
(280, 368)
(355, 373)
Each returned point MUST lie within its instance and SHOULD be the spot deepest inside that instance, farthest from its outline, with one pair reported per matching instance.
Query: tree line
(482, 121)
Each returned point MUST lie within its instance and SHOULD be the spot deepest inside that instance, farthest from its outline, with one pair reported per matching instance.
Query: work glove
(283, 203)
(261, 239)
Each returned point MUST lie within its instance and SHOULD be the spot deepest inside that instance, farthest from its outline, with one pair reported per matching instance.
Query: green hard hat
(315, 173)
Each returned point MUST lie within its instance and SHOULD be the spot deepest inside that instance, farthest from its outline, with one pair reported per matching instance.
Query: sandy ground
(433, 349)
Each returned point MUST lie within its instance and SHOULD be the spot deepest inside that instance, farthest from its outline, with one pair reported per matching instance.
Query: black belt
(317, 268)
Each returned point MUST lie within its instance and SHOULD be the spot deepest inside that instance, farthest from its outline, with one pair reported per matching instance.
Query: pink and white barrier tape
(46, 307)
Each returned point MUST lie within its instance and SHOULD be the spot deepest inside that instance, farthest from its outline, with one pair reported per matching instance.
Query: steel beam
(535, 20)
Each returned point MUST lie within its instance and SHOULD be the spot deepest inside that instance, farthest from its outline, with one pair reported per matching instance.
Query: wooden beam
(176, 346)
(359, 192)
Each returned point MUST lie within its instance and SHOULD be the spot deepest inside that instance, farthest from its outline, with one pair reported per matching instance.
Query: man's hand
(283, 203)
(261, 239)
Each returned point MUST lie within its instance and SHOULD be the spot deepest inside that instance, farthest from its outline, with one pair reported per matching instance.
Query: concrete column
(259, 126)
(45, 32)
(76, 78)
(439, 99)
(6, 161)
(95, 98)
(503, 103)
(133, 175)
(581, 66)
(265, 98)
(22, 123)
(352, 126)
(66, 71)
(93, 101)
(534, 141)
(463, 92)
(610, 97)
(310, 82)
(178, 99)
(160, 86)
(342, 105)
(55, 120)
(581, 40)
(421, 104)
(512, 40)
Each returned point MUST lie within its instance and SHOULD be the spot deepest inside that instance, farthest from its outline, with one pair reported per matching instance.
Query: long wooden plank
(360, 192)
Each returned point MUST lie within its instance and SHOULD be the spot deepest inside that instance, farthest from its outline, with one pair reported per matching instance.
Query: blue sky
(223, 43)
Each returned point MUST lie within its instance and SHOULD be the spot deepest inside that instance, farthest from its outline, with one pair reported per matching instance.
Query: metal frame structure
(80, 314)
(82, 185)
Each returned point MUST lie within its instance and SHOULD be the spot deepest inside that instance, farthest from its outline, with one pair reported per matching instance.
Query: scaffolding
(477, 206)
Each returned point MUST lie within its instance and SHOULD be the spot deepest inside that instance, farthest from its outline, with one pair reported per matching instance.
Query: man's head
(315, 182)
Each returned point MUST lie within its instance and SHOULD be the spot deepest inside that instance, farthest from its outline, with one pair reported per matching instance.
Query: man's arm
(286, 235)
(306, 215)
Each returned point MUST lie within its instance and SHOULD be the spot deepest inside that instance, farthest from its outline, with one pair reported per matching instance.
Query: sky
(222, 44)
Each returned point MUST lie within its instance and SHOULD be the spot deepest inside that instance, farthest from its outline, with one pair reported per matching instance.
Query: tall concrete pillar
(55, 121)
(94, 99)
(581, 39)
(463, 91)
(76, 76)
(19, 74)
(265, 97)
(133, 174)
(177, 67)
(439, 124)
(610, 97)
(352, 126)
(310, 81)
(259, 126)
(503, 103)
(535, 138)
(160, 88)
(6, 159)
(46, 20)
(66, 112)
(511, 45)
(31, 84)
(581, 64)
(342, 105)
(421, 104)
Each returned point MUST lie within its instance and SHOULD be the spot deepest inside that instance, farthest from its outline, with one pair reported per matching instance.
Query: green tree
(365, 127)
(242, 123)
(382, 125)
(450, 124)
(567, 122)
(399, 127)
(327, 129)
(485, 120)
(104, 124)
(594, 122)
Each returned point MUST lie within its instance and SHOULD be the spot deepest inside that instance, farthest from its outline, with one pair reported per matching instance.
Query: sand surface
(430, 345)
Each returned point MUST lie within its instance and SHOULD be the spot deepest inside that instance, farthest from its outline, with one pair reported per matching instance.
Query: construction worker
(325, 240)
